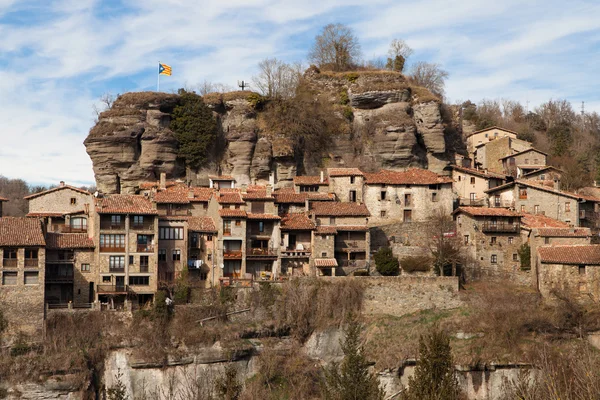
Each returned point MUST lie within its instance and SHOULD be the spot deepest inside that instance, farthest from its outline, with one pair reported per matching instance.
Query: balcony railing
(31, 262)
(261, 252)
(112, 289)
(351, 244)
(146, 226)
(472, 202)
(145, 248)
(106, 249)
(116, 269)
(9, 262)
(500, 227)
(176, 213)
(71, 229)
(143, 267)
(232, 254)
(107, 225)
(295, 253)
(59, 278)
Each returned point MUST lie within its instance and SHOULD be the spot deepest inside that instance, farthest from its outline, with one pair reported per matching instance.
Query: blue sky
(57, 57)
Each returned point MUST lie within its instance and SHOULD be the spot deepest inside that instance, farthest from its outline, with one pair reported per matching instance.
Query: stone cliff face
(387, 124)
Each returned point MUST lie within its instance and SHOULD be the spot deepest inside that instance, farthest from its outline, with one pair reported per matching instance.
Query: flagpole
(158, 80)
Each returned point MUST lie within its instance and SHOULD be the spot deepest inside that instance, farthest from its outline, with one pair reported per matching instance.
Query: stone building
(523, 162)
(346, 183)
(487, 135)
(297, 244)
(527, 196)
(547, 175)
(489, 155)
(2, 201)
(311, 183)
(343, 239)
(469, 185)
(290, 202)
(574, 269)
(23, 255)
(202, 241)
(491, 240)
(127, 256)
(406, 196)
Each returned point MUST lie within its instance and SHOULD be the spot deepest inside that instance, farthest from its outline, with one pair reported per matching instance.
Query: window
(494, 259)
(383, 194)
(331, 220)
(205, 206)
(515, 257)
(162, 254)
(227, 227)
(238, 222)
(10, 254)
(497, 200)
(542, 177)
(138, 221)
(352, 196)
(523, 193)
(527, 161)
(323, 254)
(73, 201)
(472, 180)
(459, 178)
(522, 207)
(9, 278)
(237, 206)
(536, 209)
(106, 279)
(209, 238)
(166, 233)
(582, 214)
(112, 242)
(85, 267)
(466, 239)
(407, 215)
(209, 257)
(116, 262)
(510, 240)
(176, 255)
(351, 179)
(115, 220)
(582, 270)
(261, 226)
(434, 197)
(382, 214)
(139, 280)
(31, 277)
(567, 206)
(31, 254)
(131, 260)
(546, 240)
(79, 223)
(493, 240)
(407, 200)
(144, 263)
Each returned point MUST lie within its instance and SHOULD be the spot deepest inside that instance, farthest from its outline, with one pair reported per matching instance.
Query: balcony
(9, 263)
(108, 226)
(261, 252)
(71, 229)
(356, 245)
(146, 226)
(145, 248)
(112, 289)
(472, 202)
(143, 268)
(31, 262)
(175, 213)
(500, 227)
(106, 249)
(232, 254)
(118, 270)
(295, 253)
(352, 263)
(59, 278)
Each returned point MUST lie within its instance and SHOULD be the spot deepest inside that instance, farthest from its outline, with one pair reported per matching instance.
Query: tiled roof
(257, 194)
(296, 222)
(487, 212)
(565, 232)
(290, 197)
(182, 194)
(326, 262)
(547, 167)
(491, 128)
(523, 152)
(16, 231)
(533, 185)
(234, 213)
(479, 172)
(336, 209)
(125, 204)
(333, 172)
(310, 181)
(201, 224)
(68, 241)
(230, 197)
(541, 221)
(45, 214)
(355, 228)
(588, 254)
(326, 230)
(263, 216)
(412, 176)
(31, 196)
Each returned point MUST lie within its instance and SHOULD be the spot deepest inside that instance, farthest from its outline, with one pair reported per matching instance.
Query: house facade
(469, 185)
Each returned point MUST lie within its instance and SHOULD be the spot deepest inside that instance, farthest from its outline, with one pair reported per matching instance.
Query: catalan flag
(164, 69)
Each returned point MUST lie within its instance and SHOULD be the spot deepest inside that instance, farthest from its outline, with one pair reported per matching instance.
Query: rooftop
(3, 198)
(297, 221)
(21, 231)
(490, 129)
(335, 209)
(288, 196)
(337, 172)
(262, 216)
(326, 262)
(523, 152)
(125, 204)
(586, 254)
(412, 176)
(487, 212)
(201, 224)
(541, 221)
(182, 194)
(232, 213)
(479, 172)
(310, 181)
(230, 197)
(55, 241)
(56, 189)
(565, 232)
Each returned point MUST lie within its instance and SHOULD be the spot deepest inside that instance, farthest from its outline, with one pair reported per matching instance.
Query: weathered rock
(376, 99)
(428, 121)
(261, 160)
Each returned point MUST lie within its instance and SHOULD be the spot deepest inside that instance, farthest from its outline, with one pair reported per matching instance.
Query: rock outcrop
(385, 122)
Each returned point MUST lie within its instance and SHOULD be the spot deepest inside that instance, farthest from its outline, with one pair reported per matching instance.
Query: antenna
(243, 84)
(582, 108)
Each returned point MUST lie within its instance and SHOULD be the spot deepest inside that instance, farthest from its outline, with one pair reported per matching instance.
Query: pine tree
(434, 377)
(385, 262)
(118, 391)
(351, 380)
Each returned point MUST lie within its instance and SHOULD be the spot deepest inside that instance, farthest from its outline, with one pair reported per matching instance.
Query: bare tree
(105, 102)
(430, 76)
(443, 242)
(205, 87)
(398, 54)
(555, 112)
(336, 48)
(277, 79)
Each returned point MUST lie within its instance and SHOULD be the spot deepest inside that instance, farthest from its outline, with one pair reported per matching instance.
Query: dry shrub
(423, 95)
(144, 99)
(121, 112)
(308, 304)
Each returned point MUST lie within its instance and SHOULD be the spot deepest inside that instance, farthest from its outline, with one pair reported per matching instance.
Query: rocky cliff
(384, 122)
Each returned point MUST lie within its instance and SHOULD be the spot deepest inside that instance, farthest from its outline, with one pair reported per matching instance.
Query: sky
(58, 57)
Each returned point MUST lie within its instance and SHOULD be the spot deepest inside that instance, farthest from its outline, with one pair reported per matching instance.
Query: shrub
(227, 386)
(118, 391)
(257, 101)
(352, 77)
(344, 98)
(525, 256)
(182, 288)
(348, 113)
(386, 263)
(416, 264)
(160, 310)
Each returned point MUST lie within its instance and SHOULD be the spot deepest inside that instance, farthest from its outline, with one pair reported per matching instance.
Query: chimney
(62, 183)
(306, 205)
(556, 184)
(322, 177)
(272, 179)
(163, 180)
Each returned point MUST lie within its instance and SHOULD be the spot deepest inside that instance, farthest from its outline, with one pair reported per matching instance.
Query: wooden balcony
(295, 253)
(356, 245)
(108, 226)
(146, 226)
(32, 262)
(9, 263)
(471, 202)
(175, 213)
(145, 248)
(117, 270)
(70, 229)
(232, 254)
(501, 227)
(261, 253)
(107, 249)
(112, 289)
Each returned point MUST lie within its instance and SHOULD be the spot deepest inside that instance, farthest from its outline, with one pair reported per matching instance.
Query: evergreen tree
(386, 263)
(351, 380)
(118, 390)
(195, 128)
(228, 386)
(434, 376)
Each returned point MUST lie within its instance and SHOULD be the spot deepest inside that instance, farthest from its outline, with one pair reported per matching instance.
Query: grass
(218, 98)
(143, 99)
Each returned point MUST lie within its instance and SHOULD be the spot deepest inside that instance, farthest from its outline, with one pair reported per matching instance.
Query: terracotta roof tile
(18, 231)
(541, 221)
(263, 216)
(487, 212)
(326, 262)
(334, 172)
(336, 209)
(233, 213)
(570, 254)
(230, 197)
(125, 204)
(523, 152)
(296, 222)
(290, 197)
(201, 224)
(355, 228)
(68, 241)
(182, 194)
(44, 214)
(535, 185)
(412, 176)
(479, 172)
(56, 189)
(564, 232)
(489, 129)
(326, 230)
(305, 180)
(257, 193)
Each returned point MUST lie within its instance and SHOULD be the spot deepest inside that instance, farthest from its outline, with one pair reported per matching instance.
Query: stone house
(574, 269)
(311, 183)
(491, 240)
(488, 155)
(469, 185)
(127, 255)
(406, 196)
(202, 241)
(2, 201)
(343, 237)
(487, 135)
(290, 202)
(527, 196)
(297, 244)
(346, 183)
(523, 162)
(547, 175)
(23, 255)
(221, 182)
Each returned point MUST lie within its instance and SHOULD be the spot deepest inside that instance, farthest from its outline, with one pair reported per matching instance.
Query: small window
(176, 255)
(434, 197)
(351, 179)
(116, 262)
(382, 214)
(407, 215)
(209, 257)
(582, 270)
(466, 239)
(542, 177)
(131, 260)
(162, 254)
(515, 257)
(331, 220)
(536, 209)
(494, 259)
(546, 240)
(31, 254)
(106, 279)
(323, 254)
(139, 280)
(9, 278)
(567, 206)
(261, 226)
(522, 207)
(511, 240)
(494, 240)
(85, 267)
(383, 194)
(209, 238)
(472, 180)
(205, 206)
(73, 201)
(459, 178)
(31, 277)
(238, 222)
(352, 196)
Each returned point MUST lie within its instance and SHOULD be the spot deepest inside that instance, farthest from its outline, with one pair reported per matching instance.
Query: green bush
(525, 256)
(416, 264)
(257, 101)
(348, 113)
(386, 263)
(161, 310)
(344, 98)
(182, 288)
(352, 77)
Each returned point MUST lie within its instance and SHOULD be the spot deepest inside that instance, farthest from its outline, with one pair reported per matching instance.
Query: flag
(164, 69)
